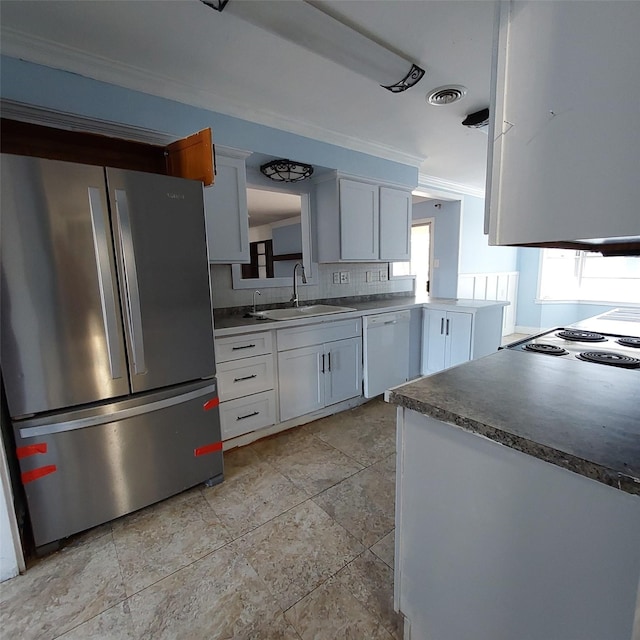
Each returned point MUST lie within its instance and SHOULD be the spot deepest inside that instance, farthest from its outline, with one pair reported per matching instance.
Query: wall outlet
(344, 277)
(373, 276)
(384, 275)
(436, 263)
(336, 277)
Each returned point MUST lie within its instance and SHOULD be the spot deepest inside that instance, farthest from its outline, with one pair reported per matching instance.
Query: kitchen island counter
(580, 416)
(518, 501)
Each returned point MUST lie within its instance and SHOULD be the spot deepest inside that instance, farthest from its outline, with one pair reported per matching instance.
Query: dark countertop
(227, 324)
(581, 416)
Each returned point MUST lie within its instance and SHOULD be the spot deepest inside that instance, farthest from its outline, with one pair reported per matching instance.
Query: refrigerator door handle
(110, 316)
(109, 413)
(134, 315)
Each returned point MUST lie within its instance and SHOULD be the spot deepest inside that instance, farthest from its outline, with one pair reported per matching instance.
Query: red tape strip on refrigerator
(211, 404)
(208, 448)
(31, 450)
(34, 474)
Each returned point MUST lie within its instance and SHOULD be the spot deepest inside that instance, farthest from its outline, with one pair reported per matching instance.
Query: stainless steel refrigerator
(107, 340)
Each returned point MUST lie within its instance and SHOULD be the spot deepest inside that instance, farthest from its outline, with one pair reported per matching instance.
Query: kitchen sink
(293, 313)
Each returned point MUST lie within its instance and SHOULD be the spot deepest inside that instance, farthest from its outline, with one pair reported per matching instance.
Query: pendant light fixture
(286, 170)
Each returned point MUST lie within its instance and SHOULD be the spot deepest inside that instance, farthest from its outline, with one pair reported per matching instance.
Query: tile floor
(296, 544)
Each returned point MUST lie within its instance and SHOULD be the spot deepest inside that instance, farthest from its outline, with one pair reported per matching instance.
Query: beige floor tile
(312, 465)
(158, 540)
(386, 467)
(385, 548)
(221, 596)
(331, 612)
(363, 504)
(252, 495)
(115, 624)
(366, 433)
(298, 550)
(62, 591)
(371, 582)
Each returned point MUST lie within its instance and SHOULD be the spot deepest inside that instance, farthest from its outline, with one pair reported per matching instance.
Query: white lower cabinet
(246, 383)
(447, 339)
(313, 372)
(453, 337)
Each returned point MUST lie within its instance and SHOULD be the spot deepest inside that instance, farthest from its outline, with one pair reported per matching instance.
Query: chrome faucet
(294, 297)
(256, 292)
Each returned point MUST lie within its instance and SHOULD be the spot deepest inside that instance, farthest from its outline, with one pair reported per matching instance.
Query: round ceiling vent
(446, 95)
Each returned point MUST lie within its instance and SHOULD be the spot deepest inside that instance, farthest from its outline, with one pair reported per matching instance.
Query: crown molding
(433, 184)
(17, 44)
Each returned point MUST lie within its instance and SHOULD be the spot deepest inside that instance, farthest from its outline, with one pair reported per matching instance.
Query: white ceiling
(186, 51)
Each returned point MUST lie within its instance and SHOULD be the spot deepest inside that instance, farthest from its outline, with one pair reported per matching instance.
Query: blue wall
(48, 88)
(476, 256)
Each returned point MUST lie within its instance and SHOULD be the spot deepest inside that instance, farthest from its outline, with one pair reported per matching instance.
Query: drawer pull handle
(441, 326)
(447, 326)
(244, 346)
(249, 415)
(255, 375)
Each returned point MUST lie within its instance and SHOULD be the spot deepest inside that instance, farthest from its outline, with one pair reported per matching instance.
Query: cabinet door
(359, 228)
(343, 370)
(434, 337)
(395, 224)
(192, 158)
(225, 205)
(301, 381)
(458, 338)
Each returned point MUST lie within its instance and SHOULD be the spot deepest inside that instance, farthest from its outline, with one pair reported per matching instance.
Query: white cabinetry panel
(359, 221)
(395, 224)
(301, 381)
(226, 215)
(566, 149)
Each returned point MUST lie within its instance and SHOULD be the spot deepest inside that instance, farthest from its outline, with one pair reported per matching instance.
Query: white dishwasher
(386, 351)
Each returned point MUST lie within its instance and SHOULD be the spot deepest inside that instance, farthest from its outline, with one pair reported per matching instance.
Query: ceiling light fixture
(307, 23)
(286, 170)
(442, 96)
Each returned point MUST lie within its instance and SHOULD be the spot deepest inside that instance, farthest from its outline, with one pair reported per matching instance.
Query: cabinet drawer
(309, 335)
(247, 414)
(244, 346)
(243, 377)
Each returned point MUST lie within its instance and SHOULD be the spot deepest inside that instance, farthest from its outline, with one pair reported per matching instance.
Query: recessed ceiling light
(448, 94)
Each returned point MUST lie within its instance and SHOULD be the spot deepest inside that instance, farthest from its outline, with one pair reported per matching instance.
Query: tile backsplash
(224, 295)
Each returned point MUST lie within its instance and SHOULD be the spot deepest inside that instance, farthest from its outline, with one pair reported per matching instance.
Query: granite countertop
(580, 416)
(228, 324)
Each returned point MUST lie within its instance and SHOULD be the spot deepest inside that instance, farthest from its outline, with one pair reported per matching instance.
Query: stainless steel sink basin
(293, 313)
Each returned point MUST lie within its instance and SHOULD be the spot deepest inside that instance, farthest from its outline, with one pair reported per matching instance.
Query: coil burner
(580, 336)
(611, 358)
(549, 349)
(629, 342)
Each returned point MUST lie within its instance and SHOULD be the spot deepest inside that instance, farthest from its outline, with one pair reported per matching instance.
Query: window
(584, 276)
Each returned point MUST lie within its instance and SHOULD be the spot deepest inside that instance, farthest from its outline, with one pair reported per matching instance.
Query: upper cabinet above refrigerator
(564, 141)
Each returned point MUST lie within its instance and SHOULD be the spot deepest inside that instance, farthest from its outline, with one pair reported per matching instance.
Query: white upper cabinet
(226, 215)
(565, 156)
(361, 221)
(395, 224)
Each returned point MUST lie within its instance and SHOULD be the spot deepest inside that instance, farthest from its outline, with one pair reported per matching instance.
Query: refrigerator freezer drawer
(78, 478)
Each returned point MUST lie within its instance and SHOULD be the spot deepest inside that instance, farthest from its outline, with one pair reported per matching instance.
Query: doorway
(421, 254)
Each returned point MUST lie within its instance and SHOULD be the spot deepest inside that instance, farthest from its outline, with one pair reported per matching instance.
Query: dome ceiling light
(442, 96)
(310, 24)
(286, 170)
